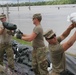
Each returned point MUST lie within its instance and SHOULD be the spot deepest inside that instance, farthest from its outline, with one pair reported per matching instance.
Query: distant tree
(53, 2)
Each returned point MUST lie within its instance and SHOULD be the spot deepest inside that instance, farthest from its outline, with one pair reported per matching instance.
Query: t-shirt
(5, 37)
(57, 57)
(38, 41)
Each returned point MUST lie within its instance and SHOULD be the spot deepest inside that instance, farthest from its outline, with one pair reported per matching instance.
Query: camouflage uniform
(57, 54)
(6, 46)
(57, 58)
(39, 60)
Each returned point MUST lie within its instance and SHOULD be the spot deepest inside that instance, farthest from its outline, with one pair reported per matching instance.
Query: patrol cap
(2, 16)
(48, 34)
(38, 16)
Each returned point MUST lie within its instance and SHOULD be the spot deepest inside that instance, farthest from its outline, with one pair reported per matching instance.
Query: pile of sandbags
(23, 60)
(22, 57)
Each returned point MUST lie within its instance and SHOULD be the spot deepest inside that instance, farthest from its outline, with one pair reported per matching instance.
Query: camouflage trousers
(9, 52)
(39, 61)
(5, 70)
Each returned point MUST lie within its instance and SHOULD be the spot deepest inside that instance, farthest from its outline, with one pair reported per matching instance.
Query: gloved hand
(11, 32)
(19, 34)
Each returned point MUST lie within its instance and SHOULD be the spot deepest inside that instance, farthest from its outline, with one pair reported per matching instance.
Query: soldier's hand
(11, 32)
(74, 24)
(19, 34)
(71, 26)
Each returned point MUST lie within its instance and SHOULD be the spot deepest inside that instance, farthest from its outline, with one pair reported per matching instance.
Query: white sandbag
(72, 17)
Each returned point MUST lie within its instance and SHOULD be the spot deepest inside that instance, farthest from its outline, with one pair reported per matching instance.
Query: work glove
(11, 32)
(19, 34)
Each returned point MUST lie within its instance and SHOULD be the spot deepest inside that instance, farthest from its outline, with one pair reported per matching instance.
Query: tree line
(55, 2)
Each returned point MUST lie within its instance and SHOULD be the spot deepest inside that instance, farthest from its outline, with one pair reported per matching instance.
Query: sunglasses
(51, 37)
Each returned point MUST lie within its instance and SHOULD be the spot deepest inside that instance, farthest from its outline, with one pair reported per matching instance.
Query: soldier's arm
(29, 37)
(25, 35)
(70, 42)
(66, 32)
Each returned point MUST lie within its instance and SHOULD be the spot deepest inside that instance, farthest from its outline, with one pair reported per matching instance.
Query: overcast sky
(15, 1)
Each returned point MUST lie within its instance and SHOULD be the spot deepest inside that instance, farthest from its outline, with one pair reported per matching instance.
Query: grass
(22, 41)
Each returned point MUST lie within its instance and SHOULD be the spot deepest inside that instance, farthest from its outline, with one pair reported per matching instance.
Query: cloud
(7, 1)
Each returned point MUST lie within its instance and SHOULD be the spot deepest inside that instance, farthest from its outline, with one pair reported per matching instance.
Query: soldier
(39, 60)
(5, 44)
(57, 50)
